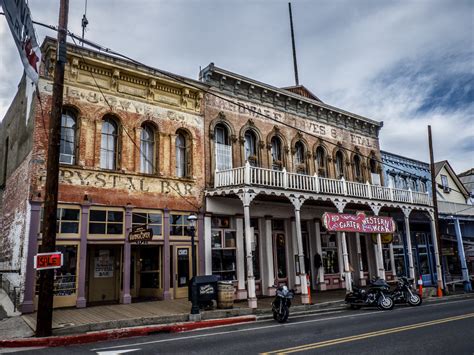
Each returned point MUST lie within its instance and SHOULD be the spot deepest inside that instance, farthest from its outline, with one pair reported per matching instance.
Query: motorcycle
(404, 293)
(281, 304)
(377, 294)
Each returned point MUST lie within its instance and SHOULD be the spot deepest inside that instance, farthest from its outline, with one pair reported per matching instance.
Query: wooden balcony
(282, 180)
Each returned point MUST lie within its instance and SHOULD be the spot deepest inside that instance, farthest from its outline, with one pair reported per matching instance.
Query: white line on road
(267, 327)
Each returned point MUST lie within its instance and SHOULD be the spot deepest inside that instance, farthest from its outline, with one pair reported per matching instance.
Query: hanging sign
(45, 261)
(140, 235)
(385, 238)
(341, 222)
(19, 20)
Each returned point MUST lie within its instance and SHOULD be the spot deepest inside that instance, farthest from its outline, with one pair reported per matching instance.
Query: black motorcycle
(376, 294)
(404, 293)
(281, 304)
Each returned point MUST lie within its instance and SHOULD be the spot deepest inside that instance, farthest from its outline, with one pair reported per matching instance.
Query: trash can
(225, 294)
(206, 290)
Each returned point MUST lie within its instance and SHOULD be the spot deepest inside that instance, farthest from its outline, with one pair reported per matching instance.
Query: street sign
(45, 261)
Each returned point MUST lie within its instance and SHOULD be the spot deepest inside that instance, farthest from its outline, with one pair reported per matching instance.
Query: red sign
(341, 222)
(45, 261)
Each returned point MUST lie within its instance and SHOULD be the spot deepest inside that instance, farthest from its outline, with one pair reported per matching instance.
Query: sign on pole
(19, 20)
(341, 222)
(45, 261)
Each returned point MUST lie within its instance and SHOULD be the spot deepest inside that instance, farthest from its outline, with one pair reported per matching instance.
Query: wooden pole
(435, 209)
(295, 64)
(46, 282)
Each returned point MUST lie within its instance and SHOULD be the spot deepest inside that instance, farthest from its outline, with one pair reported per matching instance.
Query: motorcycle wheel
(414, 300)
(283, 316)
(385, 304)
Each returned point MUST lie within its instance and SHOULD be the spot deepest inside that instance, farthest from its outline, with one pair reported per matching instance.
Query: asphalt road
(445, 327)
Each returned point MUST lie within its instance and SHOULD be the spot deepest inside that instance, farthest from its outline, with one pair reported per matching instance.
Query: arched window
(147, 150)
(108, 146)
(339, 165)
(300, 157)
(250, 148)
(373, 166)
(321, 162)
(181, 155)
(223, 148)
(375, 175)
(357, 169)
(67, 148)
(277, 157)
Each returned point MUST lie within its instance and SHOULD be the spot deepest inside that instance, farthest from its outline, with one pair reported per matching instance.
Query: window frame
(148, 212)
(250, 147)
(150, 144)
(115, 136)
(184, 226)
(59, 221)
(74, 128)
(324, 159)
(106, 222)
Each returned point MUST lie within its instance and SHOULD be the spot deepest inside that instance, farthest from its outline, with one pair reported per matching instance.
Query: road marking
(116, 352)
(368, 335)
(352, 315)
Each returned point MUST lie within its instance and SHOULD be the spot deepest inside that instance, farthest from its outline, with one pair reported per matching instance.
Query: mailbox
(206, 289)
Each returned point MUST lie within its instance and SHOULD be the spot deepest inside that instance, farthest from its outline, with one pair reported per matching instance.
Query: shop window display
(330, 255)
(150, 220)
(67, 220)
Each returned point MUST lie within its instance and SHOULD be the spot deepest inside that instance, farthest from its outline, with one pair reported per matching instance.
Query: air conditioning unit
(446, 189)
(66, 159)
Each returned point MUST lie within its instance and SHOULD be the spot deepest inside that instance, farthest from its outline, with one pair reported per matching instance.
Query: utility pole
(295, 64)
(436, 221)
(46, 281)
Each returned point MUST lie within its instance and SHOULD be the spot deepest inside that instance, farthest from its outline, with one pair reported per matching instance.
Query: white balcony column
(247, 173)
(369, 190)
(247, 198)
(285, 178)
(297, 203)
(320, 272)
(293, 247)
(340, 256)
(360, 265)
(378, 249)
(345, 256)
(240, 257)
(411, 267)
(207, 245)
(434, 240)
(316, 183)
(268, 279)
(462, 256)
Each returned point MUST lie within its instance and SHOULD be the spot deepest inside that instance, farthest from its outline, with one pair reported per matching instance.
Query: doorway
(145, 273)
(104, 273)
(182, 270)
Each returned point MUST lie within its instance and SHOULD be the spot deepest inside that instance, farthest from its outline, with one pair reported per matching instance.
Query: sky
(407, 63)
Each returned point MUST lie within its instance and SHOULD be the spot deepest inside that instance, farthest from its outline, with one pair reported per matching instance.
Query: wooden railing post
(411, 195)
(285, 178)
(215, 178)
(247, 173)
(344, 186)
(391, 193)
(316, 181)
(369, 190)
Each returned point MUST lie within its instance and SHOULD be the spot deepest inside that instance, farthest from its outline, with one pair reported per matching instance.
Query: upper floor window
(147, 150)
(250, 148)
(67, 220)
(277, 161)
(179, 224)
(321, 162)
(339, 165)
(183, 154)
(357, 169)
(109, 144)
(67, 148)
(444, 182)
(299, 157)
(422, 185)
(223, 148)
(374, 174)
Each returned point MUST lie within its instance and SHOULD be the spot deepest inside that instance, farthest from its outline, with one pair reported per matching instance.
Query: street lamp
(194, 296)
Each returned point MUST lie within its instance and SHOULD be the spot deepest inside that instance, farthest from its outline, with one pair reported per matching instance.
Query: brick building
(131, 155)
(276, 161)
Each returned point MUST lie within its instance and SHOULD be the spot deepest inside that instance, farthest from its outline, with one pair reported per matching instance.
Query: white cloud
(349, 52)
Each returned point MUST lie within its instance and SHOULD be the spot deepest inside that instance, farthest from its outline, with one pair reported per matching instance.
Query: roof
(469, 172)
(303, 91)
(440, 165)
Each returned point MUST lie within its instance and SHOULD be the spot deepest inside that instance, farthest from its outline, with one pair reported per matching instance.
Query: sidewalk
(74, 320)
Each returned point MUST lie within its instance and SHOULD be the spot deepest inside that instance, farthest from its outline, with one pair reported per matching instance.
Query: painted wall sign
(45, 261)
(323, 130)
(140, 235)
(341, 222)
(131, 183)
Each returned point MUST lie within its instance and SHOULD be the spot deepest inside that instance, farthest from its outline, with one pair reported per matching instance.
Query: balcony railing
(281, 179)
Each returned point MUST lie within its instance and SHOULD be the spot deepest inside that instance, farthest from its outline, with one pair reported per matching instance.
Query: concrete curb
(121, 333)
